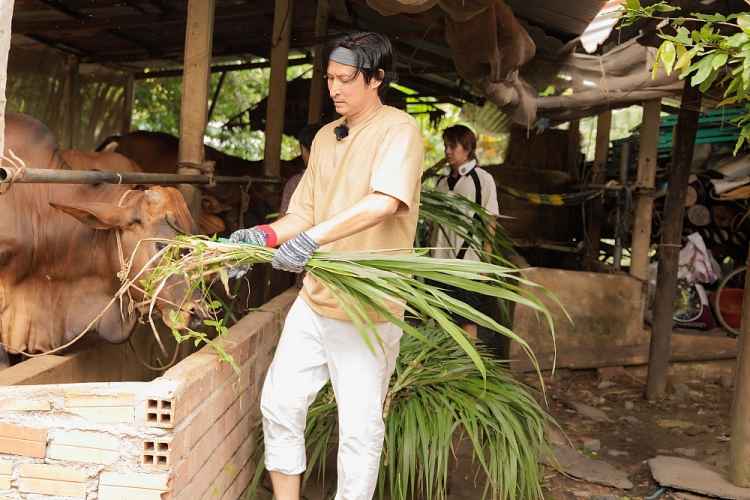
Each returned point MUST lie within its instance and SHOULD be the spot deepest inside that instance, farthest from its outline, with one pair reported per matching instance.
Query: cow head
(138, 216)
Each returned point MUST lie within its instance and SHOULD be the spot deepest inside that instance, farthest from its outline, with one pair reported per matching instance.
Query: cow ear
(99, 215)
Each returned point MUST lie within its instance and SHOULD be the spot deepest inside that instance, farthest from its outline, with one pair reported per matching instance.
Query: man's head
(305, 138)
(359, 69)
(460, 145)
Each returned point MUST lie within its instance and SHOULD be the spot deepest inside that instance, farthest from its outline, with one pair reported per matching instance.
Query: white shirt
(447, 243)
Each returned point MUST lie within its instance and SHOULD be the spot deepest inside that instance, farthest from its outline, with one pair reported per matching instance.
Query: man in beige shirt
(360, 192)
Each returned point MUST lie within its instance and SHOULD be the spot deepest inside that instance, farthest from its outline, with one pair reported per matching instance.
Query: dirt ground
(692, 422)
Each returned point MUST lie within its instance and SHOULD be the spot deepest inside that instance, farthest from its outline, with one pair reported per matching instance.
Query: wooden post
(282, 28)
(127, 111)
(574, 149)
(739, 446)
(194, 106)
(619, 227)
(315, 106)
(598, 177)
(6, 15)
(72, 99)
(646, 180)
(671, 237)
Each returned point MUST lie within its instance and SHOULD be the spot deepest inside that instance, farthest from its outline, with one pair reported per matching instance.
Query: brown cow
(158, 152)
(31, 140)
(104, 160)
(59, 255)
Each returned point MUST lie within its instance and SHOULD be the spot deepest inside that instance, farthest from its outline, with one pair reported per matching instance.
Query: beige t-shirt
(384, 154)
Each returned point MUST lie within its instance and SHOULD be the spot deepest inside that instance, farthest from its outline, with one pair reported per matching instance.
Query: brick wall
(185, 435)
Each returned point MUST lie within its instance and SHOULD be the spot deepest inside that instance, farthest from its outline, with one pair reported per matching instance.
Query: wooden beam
(315, 106)
(71, 93)
(216, 95)
(739, 446)
(645, 181)
(128, 98)
(6, 14)
(574, 149)
(221, 68)
(598, 177)
(671, 239)
(193, 110)
(282, 28)
(76, 102)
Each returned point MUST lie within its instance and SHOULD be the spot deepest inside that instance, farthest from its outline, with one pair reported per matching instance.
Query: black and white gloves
(291, 256)
(294, 254)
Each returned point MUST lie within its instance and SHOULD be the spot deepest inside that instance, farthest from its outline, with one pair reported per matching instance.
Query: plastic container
(730, 305)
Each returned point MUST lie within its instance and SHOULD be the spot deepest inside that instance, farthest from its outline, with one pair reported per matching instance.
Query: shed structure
(189, 432)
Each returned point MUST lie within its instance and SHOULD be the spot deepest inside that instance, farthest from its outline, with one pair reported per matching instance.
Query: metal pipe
(10, 175)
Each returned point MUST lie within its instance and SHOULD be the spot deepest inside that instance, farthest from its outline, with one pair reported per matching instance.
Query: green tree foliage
(157, 108)
(713, 50)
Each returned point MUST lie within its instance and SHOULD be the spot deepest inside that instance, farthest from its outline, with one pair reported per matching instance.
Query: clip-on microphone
(341, 131)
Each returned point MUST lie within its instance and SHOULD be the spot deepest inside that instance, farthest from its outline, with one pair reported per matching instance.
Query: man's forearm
(370, 211)
(288, 227)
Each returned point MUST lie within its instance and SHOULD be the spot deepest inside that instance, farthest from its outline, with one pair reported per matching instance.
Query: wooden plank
(671, 239)
(195, 85)
(641, 240)
(574, 149)
(598, 177)
(73, 131)
(6, 14)
(282, 28)
(739, 446)
(315, 106)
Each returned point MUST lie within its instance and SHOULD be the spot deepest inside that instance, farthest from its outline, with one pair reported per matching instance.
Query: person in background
(465, 179)
(305, 138)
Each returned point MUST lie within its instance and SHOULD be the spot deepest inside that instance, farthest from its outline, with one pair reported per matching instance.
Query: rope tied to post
(18, 168)
(191, 168)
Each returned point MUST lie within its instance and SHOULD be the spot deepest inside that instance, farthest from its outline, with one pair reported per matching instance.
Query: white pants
(311, 350)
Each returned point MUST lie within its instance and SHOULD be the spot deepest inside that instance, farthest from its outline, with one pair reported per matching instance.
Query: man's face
(348, 89)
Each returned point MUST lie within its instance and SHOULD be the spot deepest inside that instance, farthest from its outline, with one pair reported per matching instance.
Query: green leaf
(668, 56)
(632, 4)
(683, 36)
(704, 68)
(657, 60)
(684, 59)
(664, 7)
(712, 18)
(743, 21)
(719, 59)
(738, 39)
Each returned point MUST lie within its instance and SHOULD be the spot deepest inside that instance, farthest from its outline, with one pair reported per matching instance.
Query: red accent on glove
(271, 239)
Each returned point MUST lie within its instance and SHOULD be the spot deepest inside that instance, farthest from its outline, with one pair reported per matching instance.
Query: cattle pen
(97, 421)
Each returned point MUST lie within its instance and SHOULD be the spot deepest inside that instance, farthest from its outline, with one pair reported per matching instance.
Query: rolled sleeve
(398, 171)
(302, 202)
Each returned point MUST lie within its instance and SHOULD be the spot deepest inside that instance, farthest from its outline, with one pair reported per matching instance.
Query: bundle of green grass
(363, 282)
(437, 401)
